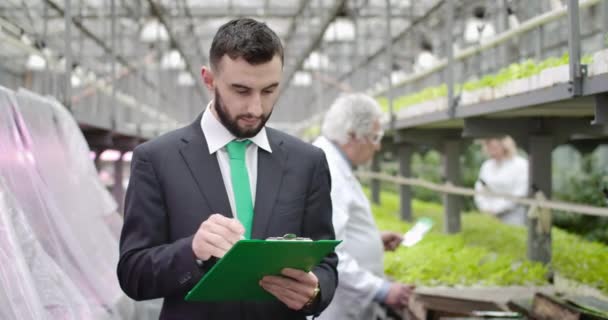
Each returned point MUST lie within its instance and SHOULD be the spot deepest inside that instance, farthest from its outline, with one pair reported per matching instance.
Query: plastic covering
(54, 217)
(40, 289)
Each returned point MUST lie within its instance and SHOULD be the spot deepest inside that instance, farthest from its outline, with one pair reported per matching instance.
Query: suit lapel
(205, 169)
(270, 175)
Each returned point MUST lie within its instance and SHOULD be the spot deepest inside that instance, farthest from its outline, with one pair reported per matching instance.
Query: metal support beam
(562, 129)
(389, 63)
(451, 171)
(405, 152)
(396, 38)
(125, 144)
(539, 234)
(106, 49)
(449, 11)
(157, 10)
(433, 138)
(574, 47)
(67, 93)
(604, 8)
(539, 34)
(117, 189)
(375, 183)
(314, 42)
(587, 146)
(98, 140)
(601, 109)
(114, 106)
(503, 25)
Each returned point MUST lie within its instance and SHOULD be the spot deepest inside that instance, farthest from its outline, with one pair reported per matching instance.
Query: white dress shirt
(218, 137)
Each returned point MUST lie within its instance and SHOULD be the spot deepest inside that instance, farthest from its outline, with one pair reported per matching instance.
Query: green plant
(512, 72)
(427, 166)
(584, 185)
(311, 132)
(486, 252)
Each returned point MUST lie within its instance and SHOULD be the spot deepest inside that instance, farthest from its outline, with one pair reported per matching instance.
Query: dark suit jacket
(175, 185)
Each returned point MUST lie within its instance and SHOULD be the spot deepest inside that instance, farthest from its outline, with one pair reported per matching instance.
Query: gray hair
(353, 113)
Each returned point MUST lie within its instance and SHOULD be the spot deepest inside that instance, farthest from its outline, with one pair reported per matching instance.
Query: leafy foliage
(585, 185)
(512, 72)
(486, 252)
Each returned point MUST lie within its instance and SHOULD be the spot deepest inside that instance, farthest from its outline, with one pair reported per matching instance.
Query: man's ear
(208, 78)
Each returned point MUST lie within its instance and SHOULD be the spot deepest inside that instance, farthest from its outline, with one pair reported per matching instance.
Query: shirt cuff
(380, 296)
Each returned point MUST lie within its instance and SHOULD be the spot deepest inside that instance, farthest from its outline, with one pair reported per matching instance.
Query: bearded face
(242, 126)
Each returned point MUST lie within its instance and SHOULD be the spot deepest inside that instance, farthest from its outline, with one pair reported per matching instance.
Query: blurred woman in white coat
(351, 135)
(503, 172)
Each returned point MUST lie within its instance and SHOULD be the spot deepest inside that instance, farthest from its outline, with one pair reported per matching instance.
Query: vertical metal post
(449, 11)
(67, 16)
(356, 48)
(97, 160)
(539, 241)
(389, 62)
(539, 35)
(80, 34)
(118, 190)
(405, 152)
(503, 24)
(114, 105)
(604, 8)
(574, 46)
(46, 89)
(375, 183)
(452, 203)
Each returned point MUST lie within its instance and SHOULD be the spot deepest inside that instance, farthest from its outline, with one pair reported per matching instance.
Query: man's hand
(391, 240)
(216, 236)
(399, 295)
(295, 288)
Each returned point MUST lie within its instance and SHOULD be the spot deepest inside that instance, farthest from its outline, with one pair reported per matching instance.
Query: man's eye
(267, 91)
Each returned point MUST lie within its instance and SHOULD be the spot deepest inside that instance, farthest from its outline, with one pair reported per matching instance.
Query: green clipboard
(236, 276)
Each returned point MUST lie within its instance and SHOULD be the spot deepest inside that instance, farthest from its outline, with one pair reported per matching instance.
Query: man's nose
(255, 105)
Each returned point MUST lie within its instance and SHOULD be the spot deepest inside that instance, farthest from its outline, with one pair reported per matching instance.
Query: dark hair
(245, 38)
(479, 12)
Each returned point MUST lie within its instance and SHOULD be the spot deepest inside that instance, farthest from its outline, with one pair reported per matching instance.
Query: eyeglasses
(376, 138)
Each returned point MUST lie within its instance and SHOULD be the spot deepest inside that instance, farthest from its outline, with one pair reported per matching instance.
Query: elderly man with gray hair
(350, 136)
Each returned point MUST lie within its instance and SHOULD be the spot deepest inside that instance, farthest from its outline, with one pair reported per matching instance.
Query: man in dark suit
(195, 191)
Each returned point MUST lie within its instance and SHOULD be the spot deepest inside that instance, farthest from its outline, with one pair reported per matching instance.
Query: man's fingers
(223, 232)
(289, 284)
(229, 223)
(301, 276)
(290, 298)
(217, 241)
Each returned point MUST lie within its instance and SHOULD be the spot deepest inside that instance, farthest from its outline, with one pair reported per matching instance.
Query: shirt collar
(342, 153)
(218, 136)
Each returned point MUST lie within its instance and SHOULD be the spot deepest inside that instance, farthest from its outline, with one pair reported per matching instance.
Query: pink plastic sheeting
(20, 180)
(18, 294)
(79, 218)
(75, 145)
(37, 288)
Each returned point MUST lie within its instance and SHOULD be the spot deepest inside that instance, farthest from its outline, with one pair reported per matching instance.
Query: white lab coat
(360, 269)
(508, 176)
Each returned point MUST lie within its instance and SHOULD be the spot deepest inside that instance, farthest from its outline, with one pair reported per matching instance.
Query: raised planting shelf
(556, 100)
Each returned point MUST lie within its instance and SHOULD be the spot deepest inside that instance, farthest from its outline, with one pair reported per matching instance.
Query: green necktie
(240, 184)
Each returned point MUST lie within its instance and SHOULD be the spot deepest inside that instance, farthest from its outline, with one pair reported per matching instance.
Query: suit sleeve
(318, 225)
(149, 266)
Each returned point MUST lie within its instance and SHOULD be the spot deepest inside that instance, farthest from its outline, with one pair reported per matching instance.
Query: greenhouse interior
(484, 155)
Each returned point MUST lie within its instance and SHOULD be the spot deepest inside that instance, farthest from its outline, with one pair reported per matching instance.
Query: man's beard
(231, 123)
